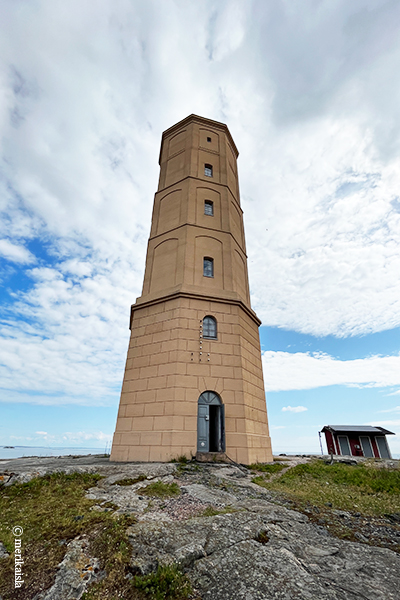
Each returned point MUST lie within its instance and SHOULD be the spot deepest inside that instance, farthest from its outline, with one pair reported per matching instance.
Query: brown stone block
(183, 409)
(152, 348)
(175, 344)
(122, 411)
(166, 438)
(231, 361)
(124, 424)
(165, 394)
(197, 368)
(158, 454)
(161, 336)
(117, 439)
(155, 408)
(144, 396)
(234, 410)
(174, 368)
(243, 457)
(236, 440)
(168, 423)
(183, 381)
(119, 454)
(233, 384)
(190, 424)
(157, 382)
(127, 398)
(150, 438)
(230, 425)
(151, 371)
(130, 439)
(142, 423)
(135, 385)
(141, 361)
(221, 371)
(135, 410)
(139, 453)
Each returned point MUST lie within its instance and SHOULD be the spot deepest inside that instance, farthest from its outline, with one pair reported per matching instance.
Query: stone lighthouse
(193, 380)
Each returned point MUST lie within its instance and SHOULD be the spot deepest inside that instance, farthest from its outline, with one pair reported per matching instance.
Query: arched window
(210, 328)
(208, 170)
(208, 267)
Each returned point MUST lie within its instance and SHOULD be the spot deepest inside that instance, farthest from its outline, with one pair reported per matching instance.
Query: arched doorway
(210, 423)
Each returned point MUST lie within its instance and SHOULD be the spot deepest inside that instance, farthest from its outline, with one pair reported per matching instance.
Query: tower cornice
(200, 121)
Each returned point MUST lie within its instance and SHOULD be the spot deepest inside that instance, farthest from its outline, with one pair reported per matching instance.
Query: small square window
(209, 208)
(208, 139)
(208, 170)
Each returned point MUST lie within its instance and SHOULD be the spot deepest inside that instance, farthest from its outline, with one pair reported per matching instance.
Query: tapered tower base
(166, 372)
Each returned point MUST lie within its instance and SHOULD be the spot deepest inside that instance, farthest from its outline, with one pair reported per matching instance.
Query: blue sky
(308, 93)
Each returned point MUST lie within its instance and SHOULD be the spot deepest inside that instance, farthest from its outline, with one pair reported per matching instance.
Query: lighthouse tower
(193, 380)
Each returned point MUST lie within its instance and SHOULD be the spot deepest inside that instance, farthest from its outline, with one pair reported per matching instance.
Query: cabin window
(209, 208)
(208, 267)
(210, 328)
(208, 170)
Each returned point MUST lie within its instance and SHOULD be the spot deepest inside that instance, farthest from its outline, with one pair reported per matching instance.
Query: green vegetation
(168, 583)
(365, 488)
(158, 489)
(267, 469)
(182, 459)
(211, 511)
(262, 537)
(52, 510)
(130, 481)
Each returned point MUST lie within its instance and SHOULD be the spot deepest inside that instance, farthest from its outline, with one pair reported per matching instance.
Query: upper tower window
(208, 170)
(208, 139)
(210, 328)
(209, 208)
(208, 267)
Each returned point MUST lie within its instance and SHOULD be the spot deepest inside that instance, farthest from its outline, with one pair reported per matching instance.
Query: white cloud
(389, 410)
(294, 409)
(312, 104)
(302, 371)
(41, 432)
(15, 253)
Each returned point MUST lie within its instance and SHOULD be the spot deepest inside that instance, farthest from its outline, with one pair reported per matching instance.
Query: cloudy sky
(310, 92)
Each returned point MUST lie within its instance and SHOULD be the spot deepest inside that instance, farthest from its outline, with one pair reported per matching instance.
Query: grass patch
(211, 511)
(363, 488)
(52, 510)
(267, 469)
(158, 489)
(262, 537)
(129, 480)
(182, 459)
(167, 583)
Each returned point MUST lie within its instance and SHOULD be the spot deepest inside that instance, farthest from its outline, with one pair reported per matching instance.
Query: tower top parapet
(201, 121)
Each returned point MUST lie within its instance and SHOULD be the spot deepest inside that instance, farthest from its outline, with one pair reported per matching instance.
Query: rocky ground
(258, 547)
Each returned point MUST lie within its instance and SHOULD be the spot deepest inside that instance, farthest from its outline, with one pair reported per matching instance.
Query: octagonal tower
(193, 380)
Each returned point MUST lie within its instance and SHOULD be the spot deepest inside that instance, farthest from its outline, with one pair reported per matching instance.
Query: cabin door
(366, 446)
(344, 445)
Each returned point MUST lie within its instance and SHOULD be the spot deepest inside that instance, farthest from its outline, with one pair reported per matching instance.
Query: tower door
(210, 423)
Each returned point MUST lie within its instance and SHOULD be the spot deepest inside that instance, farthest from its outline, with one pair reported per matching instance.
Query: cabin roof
(357, 429)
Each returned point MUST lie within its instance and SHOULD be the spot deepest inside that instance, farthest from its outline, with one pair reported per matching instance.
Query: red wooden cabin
(357, 440)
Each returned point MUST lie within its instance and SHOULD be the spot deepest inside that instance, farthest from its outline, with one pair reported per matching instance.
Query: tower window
(208, 267)
(210, 328)
(208, 139)
(209, 208)
(208, 170)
